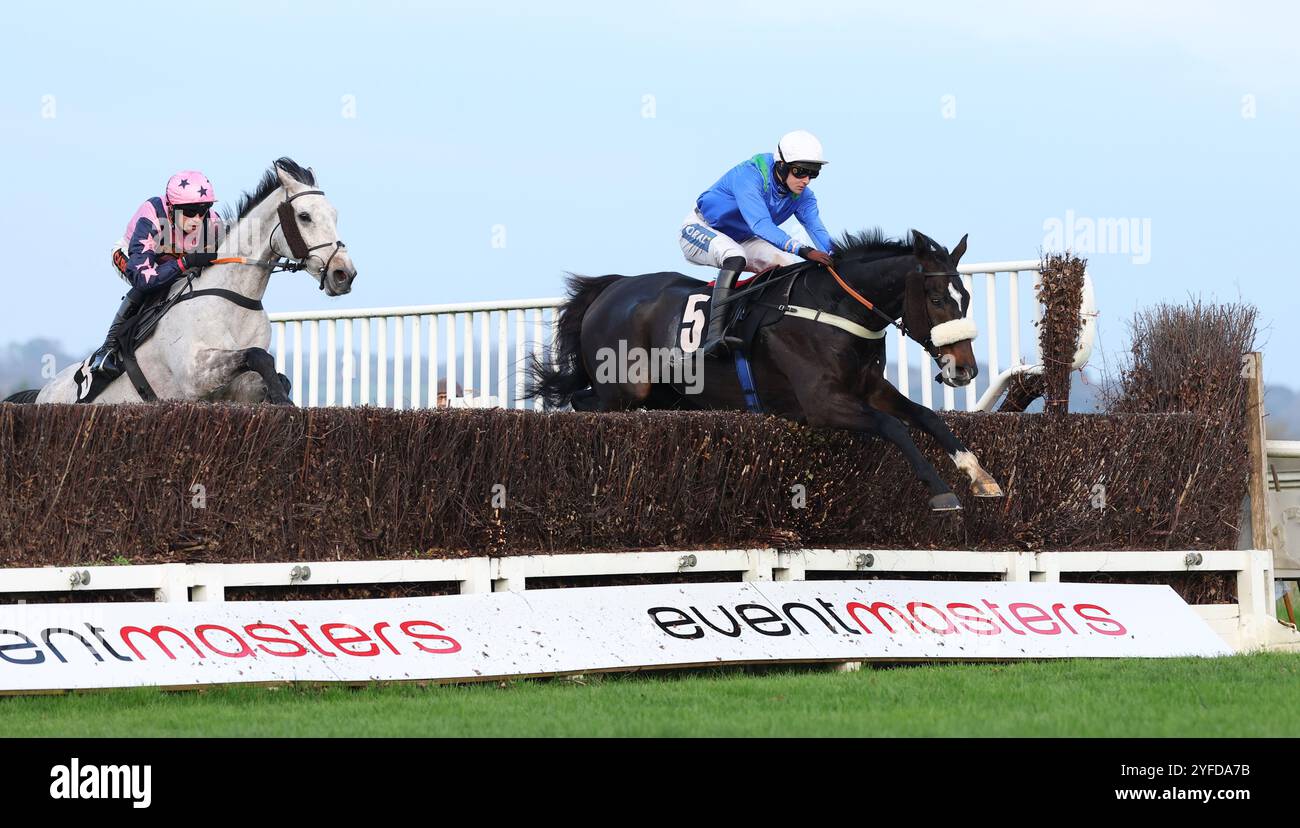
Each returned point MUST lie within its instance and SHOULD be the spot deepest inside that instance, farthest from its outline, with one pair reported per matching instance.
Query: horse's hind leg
(585, 400)
(624, 388)
(618, 397)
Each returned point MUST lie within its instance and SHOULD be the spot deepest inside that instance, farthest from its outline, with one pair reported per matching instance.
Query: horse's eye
(936, 302)
(304, 217)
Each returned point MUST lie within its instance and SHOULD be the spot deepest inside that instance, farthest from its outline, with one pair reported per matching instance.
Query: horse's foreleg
(218, 375)
(844, 411)
(260, 362)
(890, 400)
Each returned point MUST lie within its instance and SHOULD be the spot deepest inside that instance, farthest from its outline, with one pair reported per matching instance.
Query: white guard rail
(1247, 624)
(476, 353)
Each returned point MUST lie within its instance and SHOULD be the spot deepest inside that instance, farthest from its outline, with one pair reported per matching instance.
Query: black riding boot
(715, 344)
(107, 360)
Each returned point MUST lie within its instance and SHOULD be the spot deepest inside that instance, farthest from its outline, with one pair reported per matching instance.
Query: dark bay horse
(822, 362)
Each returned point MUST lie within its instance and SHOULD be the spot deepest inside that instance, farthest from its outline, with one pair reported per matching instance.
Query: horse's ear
(287, 181)
(958, 251)
(922, 245)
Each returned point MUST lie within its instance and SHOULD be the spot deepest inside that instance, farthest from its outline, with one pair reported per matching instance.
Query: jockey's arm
(753, 208)
(142, 265)
(806, 211)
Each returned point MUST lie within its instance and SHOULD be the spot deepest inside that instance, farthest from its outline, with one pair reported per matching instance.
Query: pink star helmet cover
(189, 187)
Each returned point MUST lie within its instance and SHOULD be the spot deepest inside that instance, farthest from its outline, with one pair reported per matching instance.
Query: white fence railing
(1245, 624)
(476, 354)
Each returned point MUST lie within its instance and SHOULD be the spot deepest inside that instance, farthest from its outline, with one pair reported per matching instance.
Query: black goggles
(194, 210)
(804, 172)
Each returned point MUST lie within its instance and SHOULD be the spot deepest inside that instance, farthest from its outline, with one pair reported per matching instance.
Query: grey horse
(212, 348)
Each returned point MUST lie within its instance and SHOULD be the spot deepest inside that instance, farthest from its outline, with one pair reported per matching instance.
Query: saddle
(139, 329)
(755, 303)
(758, 302)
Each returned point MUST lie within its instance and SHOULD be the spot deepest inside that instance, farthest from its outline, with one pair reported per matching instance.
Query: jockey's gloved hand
(193, 260)
(812, 254)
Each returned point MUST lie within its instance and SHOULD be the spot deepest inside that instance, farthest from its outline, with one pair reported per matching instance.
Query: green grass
(1233, 696)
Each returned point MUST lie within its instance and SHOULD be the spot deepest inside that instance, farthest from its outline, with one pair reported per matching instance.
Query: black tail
(23, 397)
(561, 374)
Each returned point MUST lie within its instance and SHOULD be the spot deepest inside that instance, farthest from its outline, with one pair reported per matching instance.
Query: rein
(927, 343)
(840, 322)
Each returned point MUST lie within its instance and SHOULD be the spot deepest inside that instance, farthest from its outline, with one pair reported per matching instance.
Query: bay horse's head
(935, 303)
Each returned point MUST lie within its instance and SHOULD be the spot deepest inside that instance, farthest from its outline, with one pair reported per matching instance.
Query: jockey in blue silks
(734, 225)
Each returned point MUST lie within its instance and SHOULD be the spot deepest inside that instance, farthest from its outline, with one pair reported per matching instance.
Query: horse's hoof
(946, 502)
(987, 488)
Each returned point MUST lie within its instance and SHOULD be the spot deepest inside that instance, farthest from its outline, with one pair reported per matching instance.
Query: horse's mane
(871, 244)
(270, 181)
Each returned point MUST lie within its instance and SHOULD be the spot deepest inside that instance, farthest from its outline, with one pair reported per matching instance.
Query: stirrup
(105, 362)
(721, 346)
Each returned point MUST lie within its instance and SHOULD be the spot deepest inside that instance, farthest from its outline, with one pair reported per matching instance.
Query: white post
(971, 399)
(349, 362)
(279, 346)
(520, 365)
(399, 361)
(485, 355)
(365, 361)
(991, 282)
(175, 588)
(537, 348)
(209, 582)
(416, 373)
(451, 358)
(1038, 313)
(297, 364)
(904, 384)
(381, 393)
(332, 366)
(762, 565)
(480, 576)
(469, 354)
(927, 382)
(502, 362)
(1013, 309)
(313, 365)
(433, 361)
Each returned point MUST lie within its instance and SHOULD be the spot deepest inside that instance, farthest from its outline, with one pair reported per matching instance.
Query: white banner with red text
(557, 631)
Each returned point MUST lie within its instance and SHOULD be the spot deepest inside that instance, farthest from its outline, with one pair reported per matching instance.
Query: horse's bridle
(927, 343)
(299, 252)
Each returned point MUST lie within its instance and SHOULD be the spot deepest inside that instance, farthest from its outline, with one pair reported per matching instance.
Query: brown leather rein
(866, 303)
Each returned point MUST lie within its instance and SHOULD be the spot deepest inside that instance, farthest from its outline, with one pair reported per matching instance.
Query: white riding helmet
(800, 147)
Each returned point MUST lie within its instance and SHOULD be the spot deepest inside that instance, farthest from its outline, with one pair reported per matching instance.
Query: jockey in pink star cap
(167, 236)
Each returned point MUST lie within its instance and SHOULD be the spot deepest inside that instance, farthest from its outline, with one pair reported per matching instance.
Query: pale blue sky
(470, 115)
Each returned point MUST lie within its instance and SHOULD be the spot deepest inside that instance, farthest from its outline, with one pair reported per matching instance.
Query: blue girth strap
(746, 378)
